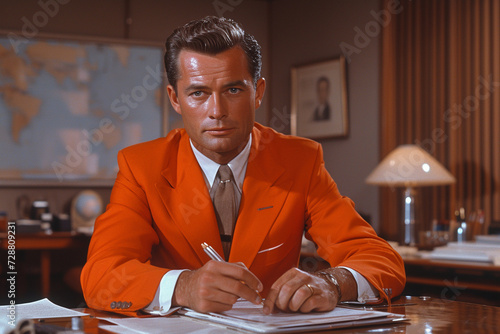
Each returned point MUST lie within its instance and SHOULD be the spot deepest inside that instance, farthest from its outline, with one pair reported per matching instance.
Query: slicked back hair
(210, 35)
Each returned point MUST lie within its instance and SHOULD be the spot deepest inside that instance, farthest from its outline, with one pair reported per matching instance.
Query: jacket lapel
(264, 193)
(185, 196)
(184, 193)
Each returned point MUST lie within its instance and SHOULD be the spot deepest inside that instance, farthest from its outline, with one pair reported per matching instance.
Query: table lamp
(409, 166)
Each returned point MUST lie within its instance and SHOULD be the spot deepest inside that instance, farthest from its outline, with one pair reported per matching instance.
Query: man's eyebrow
(236, 83)
(194, 87)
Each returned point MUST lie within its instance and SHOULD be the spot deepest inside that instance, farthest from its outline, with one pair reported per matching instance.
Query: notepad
(245, 315)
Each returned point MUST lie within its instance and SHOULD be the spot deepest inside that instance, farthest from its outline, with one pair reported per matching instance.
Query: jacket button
(119, 305)
(113, 305)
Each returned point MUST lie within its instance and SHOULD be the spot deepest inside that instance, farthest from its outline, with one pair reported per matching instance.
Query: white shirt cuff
(366, 292)
(162, 301)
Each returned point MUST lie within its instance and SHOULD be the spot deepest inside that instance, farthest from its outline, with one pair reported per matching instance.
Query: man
(322, 111)
(168, 198)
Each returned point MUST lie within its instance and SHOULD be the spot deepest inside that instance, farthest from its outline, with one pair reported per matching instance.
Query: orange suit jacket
(160, 212)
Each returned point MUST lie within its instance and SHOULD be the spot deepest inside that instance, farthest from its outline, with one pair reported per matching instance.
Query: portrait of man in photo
(322, 110)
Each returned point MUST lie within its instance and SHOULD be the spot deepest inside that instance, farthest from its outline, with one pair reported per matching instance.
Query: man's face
(217, 100)
(323, 91)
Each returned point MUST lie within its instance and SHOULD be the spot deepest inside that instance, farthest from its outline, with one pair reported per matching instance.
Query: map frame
(168, 118)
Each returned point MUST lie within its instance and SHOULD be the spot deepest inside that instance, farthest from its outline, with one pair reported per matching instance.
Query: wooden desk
(45, 243)
(454, 280)
(425, 316)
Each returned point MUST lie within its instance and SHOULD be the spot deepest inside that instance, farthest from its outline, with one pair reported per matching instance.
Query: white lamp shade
(410, 165)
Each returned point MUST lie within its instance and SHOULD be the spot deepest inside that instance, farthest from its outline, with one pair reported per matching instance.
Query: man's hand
(299, 291)
(216, 286)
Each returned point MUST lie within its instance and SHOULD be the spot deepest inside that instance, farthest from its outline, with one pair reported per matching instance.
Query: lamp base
(408, 229)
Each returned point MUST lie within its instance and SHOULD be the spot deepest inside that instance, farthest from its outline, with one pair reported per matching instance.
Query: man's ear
(174, 100)
(259, 92)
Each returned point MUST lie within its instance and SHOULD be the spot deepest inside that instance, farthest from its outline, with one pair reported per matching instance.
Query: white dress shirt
(162, 301)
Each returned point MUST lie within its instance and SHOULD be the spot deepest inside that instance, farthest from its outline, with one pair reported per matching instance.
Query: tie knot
(225, 173)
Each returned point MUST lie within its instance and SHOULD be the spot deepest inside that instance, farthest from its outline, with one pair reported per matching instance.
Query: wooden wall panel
(444, 61)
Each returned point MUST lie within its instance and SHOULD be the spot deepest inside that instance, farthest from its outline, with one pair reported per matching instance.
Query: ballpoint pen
(211, 252)
(216, 257)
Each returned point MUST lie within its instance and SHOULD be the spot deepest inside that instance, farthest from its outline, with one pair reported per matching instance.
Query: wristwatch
(332, 281)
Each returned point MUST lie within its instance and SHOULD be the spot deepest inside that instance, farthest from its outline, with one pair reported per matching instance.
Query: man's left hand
(297, 290)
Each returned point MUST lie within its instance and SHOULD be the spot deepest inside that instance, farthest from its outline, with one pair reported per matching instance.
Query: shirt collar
(238, 165)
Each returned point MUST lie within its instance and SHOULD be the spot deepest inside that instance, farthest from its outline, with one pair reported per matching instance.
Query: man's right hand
(216, 286)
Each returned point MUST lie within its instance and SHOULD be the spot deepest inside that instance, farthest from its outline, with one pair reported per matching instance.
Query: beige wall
(291, 32)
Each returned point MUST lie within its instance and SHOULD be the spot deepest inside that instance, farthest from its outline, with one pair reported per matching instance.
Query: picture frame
(68, 104)
(319, 100)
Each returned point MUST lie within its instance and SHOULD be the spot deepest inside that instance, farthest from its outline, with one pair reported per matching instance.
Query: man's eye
(198, 93)
(234, 90)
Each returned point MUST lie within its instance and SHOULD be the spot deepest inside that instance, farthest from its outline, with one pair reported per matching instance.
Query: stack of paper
(466, 251)
(245, 315)
(488, 239)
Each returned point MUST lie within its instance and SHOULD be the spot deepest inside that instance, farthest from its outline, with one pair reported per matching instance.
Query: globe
(86, 207)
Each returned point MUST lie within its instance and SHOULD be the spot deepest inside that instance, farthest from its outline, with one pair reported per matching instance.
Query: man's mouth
(219, 131)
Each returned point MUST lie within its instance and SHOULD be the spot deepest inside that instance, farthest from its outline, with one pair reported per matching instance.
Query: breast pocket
(272, 254)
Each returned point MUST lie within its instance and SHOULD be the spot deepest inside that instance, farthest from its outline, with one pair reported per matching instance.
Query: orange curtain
(440, 88)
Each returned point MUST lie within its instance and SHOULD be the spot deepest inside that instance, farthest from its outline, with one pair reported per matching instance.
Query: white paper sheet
(40, 309)
(248, 316)
(161, 325)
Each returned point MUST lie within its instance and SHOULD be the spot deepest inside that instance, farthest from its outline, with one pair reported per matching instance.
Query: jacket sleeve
(343, 238)
(118, 275)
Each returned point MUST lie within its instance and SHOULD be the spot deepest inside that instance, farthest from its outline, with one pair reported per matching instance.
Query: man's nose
(218, 109)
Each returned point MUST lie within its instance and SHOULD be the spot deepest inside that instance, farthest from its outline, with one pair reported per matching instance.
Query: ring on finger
(310, 288)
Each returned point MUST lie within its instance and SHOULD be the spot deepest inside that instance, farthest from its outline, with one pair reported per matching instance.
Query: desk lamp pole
(409, 237)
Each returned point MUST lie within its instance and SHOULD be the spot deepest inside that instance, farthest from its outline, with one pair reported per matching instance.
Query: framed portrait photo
(319, 100)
